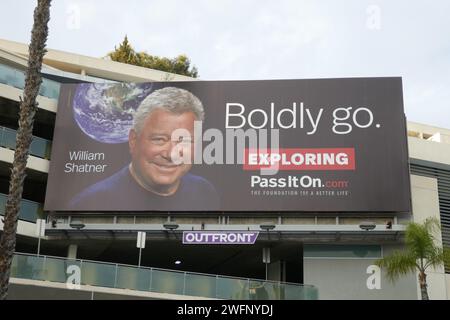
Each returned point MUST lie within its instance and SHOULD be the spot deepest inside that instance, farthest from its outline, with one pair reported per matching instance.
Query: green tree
(179, 65)
(420, 254)
(28, 106)
(182, 65)
(125, 53)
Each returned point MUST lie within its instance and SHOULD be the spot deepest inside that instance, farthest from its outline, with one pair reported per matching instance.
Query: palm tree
(28, 106)
(421, 253)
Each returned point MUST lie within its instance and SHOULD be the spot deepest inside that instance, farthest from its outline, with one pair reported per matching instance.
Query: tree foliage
(179, 65)
(421, 253)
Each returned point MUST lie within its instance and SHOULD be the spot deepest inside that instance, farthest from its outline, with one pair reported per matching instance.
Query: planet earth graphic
(105, 111)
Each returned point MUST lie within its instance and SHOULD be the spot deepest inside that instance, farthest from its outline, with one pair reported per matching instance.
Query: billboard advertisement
(319, 145)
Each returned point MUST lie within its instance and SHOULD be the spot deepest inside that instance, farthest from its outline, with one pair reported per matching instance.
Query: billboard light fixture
(367, 225)
(170, 226)
(77, 225)
(267, 226)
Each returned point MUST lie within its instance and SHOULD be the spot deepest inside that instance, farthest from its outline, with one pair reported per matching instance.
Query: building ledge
(12, 93)
(33, 163)
(93, 291)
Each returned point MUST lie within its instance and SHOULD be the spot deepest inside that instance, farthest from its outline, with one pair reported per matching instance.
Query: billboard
(320, 145)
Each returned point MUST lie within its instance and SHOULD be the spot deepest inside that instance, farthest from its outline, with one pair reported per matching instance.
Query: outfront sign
(219, 237)
(325, 145)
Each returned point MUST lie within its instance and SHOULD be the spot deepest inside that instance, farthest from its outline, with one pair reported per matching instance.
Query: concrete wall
(425, 202)
(429, 150)
(24, 289)
(447, 283)
(346, 279)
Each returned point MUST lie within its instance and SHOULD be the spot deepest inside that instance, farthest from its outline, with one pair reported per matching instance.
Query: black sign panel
(324, 145)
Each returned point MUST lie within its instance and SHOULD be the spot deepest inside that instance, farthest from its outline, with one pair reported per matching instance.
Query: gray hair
(171, 99)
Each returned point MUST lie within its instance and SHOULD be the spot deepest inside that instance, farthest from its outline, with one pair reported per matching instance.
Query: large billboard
(320, 145)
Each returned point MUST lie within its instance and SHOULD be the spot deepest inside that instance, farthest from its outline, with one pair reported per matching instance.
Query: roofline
(426, 128)
(96, 67)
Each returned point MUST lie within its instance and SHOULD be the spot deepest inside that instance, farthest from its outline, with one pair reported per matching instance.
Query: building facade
(325, 256)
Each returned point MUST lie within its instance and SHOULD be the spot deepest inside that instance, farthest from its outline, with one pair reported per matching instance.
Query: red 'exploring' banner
(300, 159)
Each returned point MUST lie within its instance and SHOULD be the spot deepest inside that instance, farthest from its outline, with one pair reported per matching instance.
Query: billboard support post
(140, 253)
(266, 259)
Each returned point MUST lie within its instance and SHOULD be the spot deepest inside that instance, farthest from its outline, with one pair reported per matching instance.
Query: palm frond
(446, 256)
(399, 263)
(434, 258)
(420, 238)
(420, 253)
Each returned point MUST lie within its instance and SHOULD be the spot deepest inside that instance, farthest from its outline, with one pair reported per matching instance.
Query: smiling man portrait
(153, 180)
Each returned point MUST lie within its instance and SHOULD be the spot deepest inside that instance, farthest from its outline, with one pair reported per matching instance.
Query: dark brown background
(380, 182)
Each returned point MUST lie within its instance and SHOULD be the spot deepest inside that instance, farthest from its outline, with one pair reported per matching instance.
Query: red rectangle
(300, 159)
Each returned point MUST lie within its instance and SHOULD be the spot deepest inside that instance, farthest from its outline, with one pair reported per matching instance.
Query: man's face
(154, 148)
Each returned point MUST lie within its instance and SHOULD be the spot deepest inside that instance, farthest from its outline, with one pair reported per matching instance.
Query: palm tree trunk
(423, 285)
(28, 106)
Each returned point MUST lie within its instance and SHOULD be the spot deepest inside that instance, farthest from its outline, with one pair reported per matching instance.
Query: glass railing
(39, 147)
(155, 280)
(16, 78)
(29, 210)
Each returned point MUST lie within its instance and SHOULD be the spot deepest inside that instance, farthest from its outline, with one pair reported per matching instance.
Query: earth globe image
(104, 111)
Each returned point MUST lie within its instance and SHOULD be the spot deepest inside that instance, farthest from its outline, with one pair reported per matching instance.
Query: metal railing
(29, 210)
(102, 274)
(16, 78)
(39, 147)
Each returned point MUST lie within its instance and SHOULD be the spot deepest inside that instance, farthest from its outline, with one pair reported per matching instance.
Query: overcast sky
(257, 39)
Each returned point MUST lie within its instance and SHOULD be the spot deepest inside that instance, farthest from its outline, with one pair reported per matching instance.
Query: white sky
(261, 39)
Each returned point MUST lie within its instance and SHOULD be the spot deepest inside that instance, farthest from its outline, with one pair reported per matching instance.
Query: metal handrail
(169, 270)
